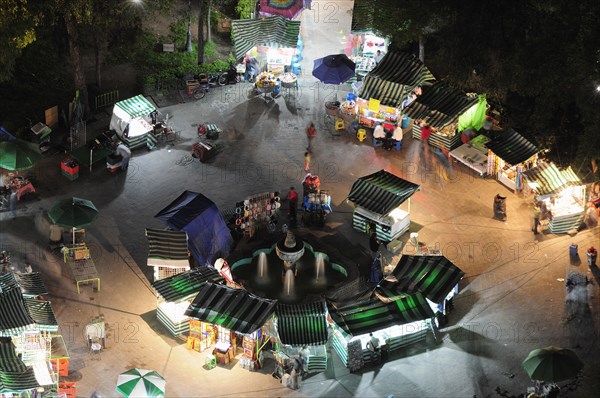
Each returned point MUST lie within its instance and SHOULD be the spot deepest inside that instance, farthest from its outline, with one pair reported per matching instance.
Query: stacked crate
(69, 168)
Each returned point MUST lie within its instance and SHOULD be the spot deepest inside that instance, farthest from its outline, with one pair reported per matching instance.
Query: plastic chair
(210, 361)
(361, 134)
(377, 142)
(398, 145)
(339, 124)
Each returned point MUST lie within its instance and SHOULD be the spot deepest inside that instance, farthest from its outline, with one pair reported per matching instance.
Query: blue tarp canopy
(208, 235)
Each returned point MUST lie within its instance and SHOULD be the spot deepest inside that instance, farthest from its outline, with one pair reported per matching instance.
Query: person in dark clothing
(374, 243)
(292, 197)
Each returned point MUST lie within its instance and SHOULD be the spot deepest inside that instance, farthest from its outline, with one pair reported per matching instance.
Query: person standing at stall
(311, 134)
(536, 218)
(125, 153)
(306, 161)
(425, 134)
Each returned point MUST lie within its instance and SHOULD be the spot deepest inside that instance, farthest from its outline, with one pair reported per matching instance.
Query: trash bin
(405, 122)
(573, 250)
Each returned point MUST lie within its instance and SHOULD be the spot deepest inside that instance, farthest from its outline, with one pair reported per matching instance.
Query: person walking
(12, 202)
(292, 198)
(306, 161)
(304, 354)
(295, 374)
(311, 134)
(374, 242)
(536, 218)
(125, 153)
(425, 134)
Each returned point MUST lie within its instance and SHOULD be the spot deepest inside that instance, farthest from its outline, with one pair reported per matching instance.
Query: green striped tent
(31, 284)
(14, 317)
(550, 179)
(440, 105)
(376, 312)
(381, 192)
(167, 248)
(233, 309)
(186, 284)
(42, 314)
(302, 324)
(432, 276)
(15, 376)
(394, 78)
(136, 106)
(275, 31)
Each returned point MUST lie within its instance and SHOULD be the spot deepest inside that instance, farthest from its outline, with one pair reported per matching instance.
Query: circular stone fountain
(290, 271)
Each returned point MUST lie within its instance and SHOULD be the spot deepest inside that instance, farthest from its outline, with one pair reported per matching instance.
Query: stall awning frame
(432, 276)
(234, 309)
(15, 376)
(550, 179)
(394, 78)
(136, 106)
(302, 324)
(275, 31)
(512, 147)
(14, 316)
(381, 192)
(440, 105)
(167, 248)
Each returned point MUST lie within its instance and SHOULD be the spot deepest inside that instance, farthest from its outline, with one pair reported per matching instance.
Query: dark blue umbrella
(333, 69)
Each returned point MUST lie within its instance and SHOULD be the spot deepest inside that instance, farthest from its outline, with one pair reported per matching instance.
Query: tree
(18, 21)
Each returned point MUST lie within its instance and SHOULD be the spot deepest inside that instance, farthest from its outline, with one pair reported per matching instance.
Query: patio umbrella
(552, 364)
(286, 8)
(333, 69)
(141, 383)
(18, 155)
(73, 213)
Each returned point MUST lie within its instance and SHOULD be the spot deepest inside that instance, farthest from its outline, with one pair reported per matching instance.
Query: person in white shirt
(397, 135)
(378, 56)
(378, 132)
(125, 153)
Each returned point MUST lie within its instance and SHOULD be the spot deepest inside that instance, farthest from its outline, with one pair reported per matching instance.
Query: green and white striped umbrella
(141, 383)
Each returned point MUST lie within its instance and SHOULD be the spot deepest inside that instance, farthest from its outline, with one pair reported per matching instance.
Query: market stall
(377, 199)
(274, 40)
(267, 85)
(167, 252)
(509, 155)
(473, 154)
(441, 107)
(388, 85)
(131, 121)
(175, 293)
(562, 194)
(15, 376)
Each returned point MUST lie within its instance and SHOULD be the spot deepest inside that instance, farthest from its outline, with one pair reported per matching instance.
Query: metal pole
(188, 43)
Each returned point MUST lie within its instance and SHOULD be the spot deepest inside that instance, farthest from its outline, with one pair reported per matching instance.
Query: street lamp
(188, 43)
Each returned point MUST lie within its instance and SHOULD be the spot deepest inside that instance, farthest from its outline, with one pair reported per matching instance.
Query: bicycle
(199, 92)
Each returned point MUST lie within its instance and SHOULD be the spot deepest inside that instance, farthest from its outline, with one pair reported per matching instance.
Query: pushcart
(316, 207)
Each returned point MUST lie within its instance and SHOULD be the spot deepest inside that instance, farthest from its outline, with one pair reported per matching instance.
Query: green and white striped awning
(186, 284)
(167, 248)
(394, 78)
(381, 192)
(136, 106)
(14, 316)
(42, 314)
(233, 309)
(302, 324)
(549, 179)
(440, 105)
(15, 376)
(433, 276)
(275, 31)
(376, 312)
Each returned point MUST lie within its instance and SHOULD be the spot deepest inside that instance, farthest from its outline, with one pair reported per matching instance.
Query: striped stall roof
(375, 312)
(136, 106)
(13, 313)
(234, 309)
(7, 281)
(275, 31)
(186, 284)
(433, 276)
(512, 147)
(15, 376)
(31, 284)
(41, 312)
(302, 324)
(440, 105)
(381, 192)
(550, 179)
(394, 78)
(167, 248)
(362, 17)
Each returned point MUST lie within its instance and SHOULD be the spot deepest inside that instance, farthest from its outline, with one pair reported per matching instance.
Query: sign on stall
(374, 104)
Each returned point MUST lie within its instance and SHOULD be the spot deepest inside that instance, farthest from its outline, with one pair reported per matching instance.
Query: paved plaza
(512, 298)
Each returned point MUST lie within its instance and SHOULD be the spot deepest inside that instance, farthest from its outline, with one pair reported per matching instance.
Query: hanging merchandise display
(258, 211)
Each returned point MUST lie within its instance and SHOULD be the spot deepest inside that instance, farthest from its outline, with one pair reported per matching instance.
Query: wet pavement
(513, 297)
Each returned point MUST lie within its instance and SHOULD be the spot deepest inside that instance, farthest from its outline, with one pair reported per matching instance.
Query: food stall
(441, 107)
(377, 199)
(266, 83)
(175, 293)
(562, 193)
(132, 122)
(509, 155)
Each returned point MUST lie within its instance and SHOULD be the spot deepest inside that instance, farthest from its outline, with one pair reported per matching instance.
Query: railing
(106, 99)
